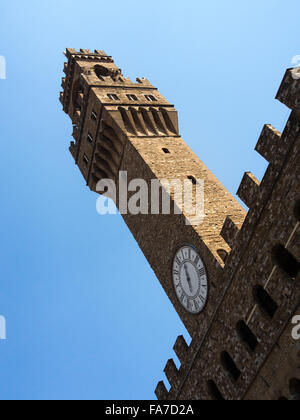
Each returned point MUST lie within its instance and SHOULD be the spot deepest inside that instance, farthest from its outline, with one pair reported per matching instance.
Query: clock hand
(188, 278)
(187, 273)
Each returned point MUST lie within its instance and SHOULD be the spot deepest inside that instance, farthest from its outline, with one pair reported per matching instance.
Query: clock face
(190, 279)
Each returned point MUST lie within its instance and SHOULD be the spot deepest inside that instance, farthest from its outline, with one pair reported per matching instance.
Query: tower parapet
(248, 351)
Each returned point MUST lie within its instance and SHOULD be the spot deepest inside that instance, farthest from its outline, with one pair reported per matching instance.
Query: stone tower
(232, 277)
(124, 126)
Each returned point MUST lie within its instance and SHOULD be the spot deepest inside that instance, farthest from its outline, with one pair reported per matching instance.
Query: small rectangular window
(150, 98)
(85, 159)
(90, 139)
(112, 97)
(94, 116)
(132, 97)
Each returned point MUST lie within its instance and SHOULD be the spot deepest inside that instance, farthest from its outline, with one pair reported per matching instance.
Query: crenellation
(77, 117)
(69, 52)
(75, 133)
(230, 231)
(268, 143)
(144, 81)
(181, 349)
(100, 52)
(289, 91)
(84, 51)
(161, 391)
(172, 373)
(61, 97)
(249, 190)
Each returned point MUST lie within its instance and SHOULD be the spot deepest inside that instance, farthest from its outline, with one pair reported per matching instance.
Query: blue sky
(86, 317)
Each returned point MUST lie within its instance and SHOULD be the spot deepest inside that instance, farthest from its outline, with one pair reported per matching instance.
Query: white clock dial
(190, 279)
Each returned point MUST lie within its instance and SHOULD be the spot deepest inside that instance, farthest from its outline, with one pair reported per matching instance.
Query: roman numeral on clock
(202, 299)
(202, 272)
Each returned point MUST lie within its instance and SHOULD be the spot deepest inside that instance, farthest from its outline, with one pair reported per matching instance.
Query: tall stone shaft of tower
(120, 127)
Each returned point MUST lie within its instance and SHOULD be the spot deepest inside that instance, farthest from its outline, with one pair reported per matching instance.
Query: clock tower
(124, 127)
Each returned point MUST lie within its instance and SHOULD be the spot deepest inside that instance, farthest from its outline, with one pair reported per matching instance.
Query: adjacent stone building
(242, 266)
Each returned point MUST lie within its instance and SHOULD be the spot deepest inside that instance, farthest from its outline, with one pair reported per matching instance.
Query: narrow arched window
(192, 179)
(230, 366)
(214, 391)
(166, 150)
(246, 335)
(264, 300)
(286, 261)
(294, 387)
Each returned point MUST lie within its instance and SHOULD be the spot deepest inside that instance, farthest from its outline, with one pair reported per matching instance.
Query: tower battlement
(248, 351)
